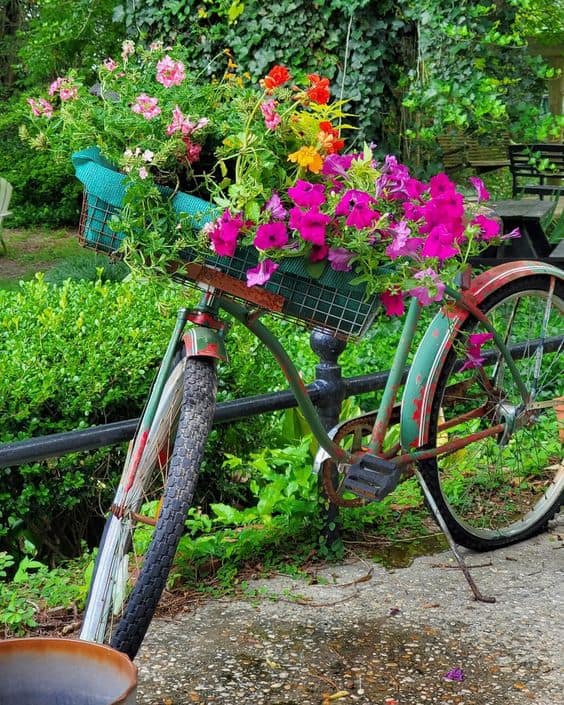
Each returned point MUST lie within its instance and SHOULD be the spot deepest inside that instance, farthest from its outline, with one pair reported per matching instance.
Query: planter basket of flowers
(248, 189)
(328, 300)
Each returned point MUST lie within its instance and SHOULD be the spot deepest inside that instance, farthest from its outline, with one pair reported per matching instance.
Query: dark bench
(541, 165)
(534, 218)
(459, 151)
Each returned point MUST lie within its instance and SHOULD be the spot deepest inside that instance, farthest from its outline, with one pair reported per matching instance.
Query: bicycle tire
(193, 380)
(503, 489)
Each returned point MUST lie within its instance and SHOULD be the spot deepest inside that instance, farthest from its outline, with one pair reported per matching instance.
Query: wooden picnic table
(531, 216)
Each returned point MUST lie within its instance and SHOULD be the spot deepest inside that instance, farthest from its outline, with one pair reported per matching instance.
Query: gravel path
(367, 635)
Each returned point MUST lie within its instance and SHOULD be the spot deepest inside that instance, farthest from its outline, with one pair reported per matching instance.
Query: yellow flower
(308, 158)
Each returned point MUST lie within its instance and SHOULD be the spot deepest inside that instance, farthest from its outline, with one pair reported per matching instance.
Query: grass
(35, 250)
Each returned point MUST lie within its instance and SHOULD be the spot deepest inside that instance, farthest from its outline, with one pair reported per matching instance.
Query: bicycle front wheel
(126, 588)
(504, 487)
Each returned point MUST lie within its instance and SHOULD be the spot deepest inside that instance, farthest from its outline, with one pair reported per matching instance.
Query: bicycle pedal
(372, 477)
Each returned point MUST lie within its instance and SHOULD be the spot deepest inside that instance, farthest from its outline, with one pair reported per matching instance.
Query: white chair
(5, 196)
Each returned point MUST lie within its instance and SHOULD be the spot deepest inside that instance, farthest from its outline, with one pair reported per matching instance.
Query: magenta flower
(455, 674)
(474, 357)
(311, 224)
(193, 150)
(441, 185)
(271, 117)
(306, 194)
(439, 243)
(402, 244)
(392, 302)
(337, 164)
(259, 275)
(489, 228)
(481, 190)
(318, 253)
(224, 234)
(271, 235)
(146, 106)
(169, 72)
(275, 208)
(356, 206)
(432, 288)
(340, 259)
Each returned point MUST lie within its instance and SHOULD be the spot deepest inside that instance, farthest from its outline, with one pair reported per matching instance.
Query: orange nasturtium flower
(319, 90)
(329, 138)
(277, 76)
(308, 158)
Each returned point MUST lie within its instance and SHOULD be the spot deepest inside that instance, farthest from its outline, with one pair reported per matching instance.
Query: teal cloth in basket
(104, 184)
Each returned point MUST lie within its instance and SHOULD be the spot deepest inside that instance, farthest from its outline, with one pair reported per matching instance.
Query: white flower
(147, 155)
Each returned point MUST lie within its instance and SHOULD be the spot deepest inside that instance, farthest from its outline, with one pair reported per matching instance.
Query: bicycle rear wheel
(505, 487)
(123, 597)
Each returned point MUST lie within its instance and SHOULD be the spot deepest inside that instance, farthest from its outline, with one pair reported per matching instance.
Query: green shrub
(45, 192)
(84, 354)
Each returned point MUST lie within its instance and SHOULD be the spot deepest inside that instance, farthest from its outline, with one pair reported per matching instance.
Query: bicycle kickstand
(453, 547)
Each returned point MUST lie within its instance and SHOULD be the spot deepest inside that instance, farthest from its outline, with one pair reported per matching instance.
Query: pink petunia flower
(441, 184)
(224, 234)
(489, 228)
(311, 225)
(340, 259)
(41, 108)
(275, 208)
(439, 243)
(306, 194)
(169, 72)
(259, 275)
(109, 64)
(143, 173)
(146, 106)
(55, 87)
(431, 289)
(356, 206)
(474, 357)
(68, 92)
(271, 117)
(337, 164)
(271, 235)
(392, 302)
(481, 190)
(182, 123)
(318, 253)
(402, 244)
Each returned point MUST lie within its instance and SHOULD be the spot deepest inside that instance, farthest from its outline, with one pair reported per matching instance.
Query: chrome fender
(437, 342)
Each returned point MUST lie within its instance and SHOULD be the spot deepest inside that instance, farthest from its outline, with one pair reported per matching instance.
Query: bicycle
(484, 439)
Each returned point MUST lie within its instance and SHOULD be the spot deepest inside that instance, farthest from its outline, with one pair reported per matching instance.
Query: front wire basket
(329, 302)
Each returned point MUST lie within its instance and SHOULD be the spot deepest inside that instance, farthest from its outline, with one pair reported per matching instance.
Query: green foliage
(31, 586)
(281, 517)
(45, 191)
(542, 20)
(88, 266)
(60, 36)
(84, 354)
(311, 36)
(483, 80)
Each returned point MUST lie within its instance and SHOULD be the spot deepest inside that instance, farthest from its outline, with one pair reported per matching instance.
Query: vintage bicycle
(483, 438)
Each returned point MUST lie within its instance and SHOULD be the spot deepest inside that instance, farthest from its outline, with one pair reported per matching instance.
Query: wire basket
(329, 301)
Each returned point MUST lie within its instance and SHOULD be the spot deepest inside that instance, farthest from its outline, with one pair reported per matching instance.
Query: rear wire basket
(330, 301)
